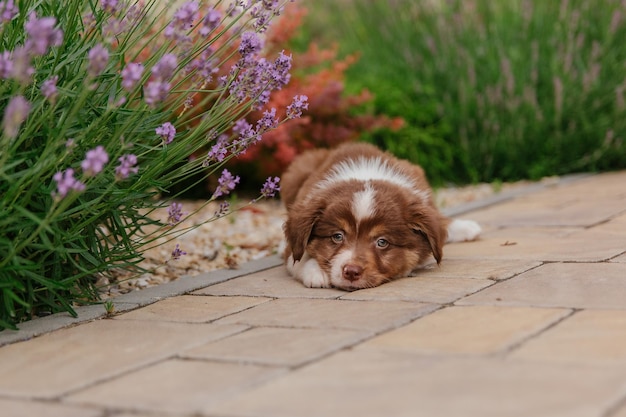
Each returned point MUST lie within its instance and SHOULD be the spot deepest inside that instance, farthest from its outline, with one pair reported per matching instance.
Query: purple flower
(41, 34)
(210, 22)
(98, 59)
(8, 11)
(280, 71)
(155, 92)
(22, 69)
(182, 21)
(175, 213)
(131, 74)
(227, 183)
(298, 104)
(178, 252)
(49, 88)
(164, 69)
(223, 209)
(65, 183)
(270, 188)
(126, 166)
(94, 161)
(218, 151)
(6, 65)
(110, 6)
(267, 122)
(14, 115)
(167, 131)
(250, 46)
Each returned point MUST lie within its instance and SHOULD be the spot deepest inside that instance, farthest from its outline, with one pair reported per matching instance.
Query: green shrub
(493, 89)
(97, 125)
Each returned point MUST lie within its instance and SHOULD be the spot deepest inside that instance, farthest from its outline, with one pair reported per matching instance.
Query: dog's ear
(299, 225)
(427, 222)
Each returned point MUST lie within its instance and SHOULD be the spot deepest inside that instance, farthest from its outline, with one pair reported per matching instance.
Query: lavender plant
(98, 124)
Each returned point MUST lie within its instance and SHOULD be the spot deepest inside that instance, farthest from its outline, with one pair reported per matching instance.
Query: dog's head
(363, 234)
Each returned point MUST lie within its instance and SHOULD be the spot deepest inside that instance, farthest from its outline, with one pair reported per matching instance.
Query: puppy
(358, 217)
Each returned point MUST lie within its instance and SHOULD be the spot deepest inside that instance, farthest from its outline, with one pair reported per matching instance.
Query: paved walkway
(529, 321)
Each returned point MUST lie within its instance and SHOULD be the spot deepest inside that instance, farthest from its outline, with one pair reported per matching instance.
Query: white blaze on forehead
(363, 206)
(368, 169)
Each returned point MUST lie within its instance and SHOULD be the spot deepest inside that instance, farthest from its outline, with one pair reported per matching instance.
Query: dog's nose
(352, 272)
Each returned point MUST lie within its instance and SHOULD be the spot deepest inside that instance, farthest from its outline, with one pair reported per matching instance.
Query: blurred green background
(490, 90)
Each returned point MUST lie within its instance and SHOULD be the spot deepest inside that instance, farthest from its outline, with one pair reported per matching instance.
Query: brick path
(528, 321)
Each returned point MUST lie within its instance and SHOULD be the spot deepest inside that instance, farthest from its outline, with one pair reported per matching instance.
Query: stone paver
(372, 316)
(22, 408)
(589, 336)
(468, 330)
(530, 320)
(68, 359)
(277, 346)
(269, 283)
(176, 386)
(396, 384)
(573, 285)
(424, 289)
(192, 309)
(495, 269)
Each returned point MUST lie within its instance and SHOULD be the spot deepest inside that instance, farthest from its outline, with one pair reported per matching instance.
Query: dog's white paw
(463, 230)
(312, 275)
(309, 272)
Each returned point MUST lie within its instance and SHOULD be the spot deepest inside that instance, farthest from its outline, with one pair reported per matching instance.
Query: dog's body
(358, 217)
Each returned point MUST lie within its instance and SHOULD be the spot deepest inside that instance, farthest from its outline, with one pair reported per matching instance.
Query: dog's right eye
(337, 237)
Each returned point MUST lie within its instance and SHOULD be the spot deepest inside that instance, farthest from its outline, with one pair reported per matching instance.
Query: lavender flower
(210, 22)
(164, 69)
(131, 74)
(65, 183)
(22, 69)
(267, 122)
(178, 252)
(182, 21)
(223, 209)
(8, 11)
(175, 213)
(109, 6)
(41, 34)
(298, 104)
(155, 92)
(14, 115)
(6, 65)
(218, 151)
(126, 166)
(94, 161)
(98, 59)
(167, 131)
(49, 88)
(249, 47)
(270, 188)
(247, 136)
(280, 71)
(227, 183)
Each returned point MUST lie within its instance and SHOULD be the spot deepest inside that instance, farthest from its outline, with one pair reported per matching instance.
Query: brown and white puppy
(358, 217)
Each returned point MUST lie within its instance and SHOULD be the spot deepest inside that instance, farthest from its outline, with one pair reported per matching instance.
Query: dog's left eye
(337, 237)
(382, 243)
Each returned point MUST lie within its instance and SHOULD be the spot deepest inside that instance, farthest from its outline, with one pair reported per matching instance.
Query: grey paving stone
(376, 383)
(24, 408)
(438, 290)
(373, 316)
(175, 386)
(192, 309)
(495, 269)
(68, 359)
(573, 285)
(274, 282)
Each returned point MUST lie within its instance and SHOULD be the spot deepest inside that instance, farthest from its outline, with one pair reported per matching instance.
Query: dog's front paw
(312, 275)
(463, 230)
